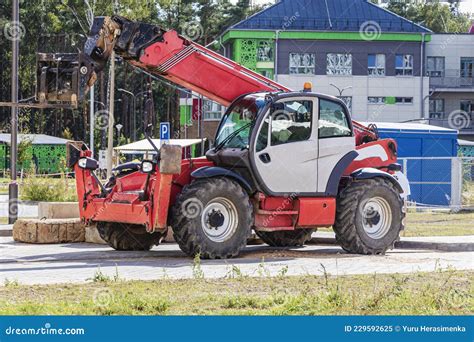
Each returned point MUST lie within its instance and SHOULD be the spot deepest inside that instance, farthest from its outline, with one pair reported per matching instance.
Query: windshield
(238, 122)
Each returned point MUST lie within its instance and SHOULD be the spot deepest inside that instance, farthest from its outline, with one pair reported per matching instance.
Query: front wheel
(369, 217)
(127, 237)
(212, 218)
(286, 238)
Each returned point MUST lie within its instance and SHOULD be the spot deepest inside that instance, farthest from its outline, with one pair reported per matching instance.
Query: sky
(466, 5)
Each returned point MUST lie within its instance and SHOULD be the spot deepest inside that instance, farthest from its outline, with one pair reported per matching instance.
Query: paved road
(25, 209)
(75, 263)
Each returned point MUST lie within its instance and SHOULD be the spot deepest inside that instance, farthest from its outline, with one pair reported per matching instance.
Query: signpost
(164, 133)
(13, 186)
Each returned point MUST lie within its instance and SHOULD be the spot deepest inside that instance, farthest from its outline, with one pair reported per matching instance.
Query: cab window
(333, 121)
(291, 122)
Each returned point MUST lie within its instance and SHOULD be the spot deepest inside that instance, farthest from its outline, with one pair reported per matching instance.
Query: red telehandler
(283, 164)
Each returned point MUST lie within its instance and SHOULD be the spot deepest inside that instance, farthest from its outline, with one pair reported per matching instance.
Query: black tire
(127, 237)
(350, 217)
(286, 238)
(195, 200)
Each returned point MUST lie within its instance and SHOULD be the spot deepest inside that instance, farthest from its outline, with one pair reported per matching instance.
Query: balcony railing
(451, 79)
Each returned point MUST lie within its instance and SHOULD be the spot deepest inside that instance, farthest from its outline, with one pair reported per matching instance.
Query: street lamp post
(119, 129)
(13, 186)
(133, 124)
(341, 91)
(132, 117)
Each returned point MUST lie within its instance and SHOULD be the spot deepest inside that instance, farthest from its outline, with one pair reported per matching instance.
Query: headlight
(88, 163)
(147, 166)
(82, 163)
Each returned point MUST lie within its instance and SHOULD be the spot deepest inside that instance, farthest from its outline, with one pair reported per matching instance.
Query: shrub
(47, 189)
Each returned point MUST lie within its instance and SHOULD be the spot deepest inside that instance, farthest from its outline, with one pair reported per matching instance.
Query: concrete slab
(441, 243)
(58, 210)
(76, 263)
(6, 230)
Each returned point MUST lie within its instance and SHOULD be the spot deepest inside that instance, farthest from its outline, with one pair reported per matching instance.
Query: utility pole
(110, 138)
(13, 186)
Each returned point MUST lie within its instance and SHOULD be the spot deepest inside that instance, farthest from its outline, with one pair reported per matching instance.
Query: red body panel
(289, 213)
(377, 154)
(316, 212)
(202, 70)
(123, 203)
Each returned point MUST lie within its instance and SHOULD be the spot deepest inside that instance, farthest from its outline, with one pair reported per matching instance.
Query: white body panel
(294, 166)
(303, 166)
(403, 181)
(331, 150)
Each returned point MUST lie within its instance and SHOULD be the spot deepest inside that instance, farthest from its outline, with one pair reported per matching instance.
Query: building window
(404, 65)
(376, 64)
(332, 120)
(467, 67)
(467, 106)
(302, 63)
(264, 51)
(376, 99)
(339, 64)
(435, 66)
(347, 100)
(404, 100)
(436, 108)
(212, 110)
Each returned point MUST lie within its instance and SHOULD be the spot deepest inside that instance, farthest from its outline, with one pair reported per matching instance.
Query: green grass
(439, 224)
(437, 293)
(436, 223)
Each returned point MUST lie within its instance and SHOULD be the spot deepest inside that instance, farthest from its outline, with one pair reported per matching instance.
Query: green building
(47, 153)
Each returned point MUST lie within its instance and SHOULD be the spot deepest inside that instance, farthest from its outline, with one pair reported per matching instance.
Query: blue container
(430, 179)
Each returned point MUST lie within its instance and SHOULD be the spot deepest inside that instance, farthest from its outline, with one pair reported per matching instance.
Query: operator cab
(279, 142)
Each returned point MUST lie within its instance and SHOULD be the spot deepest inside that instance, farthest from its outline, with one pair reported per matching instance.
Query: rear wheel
(369, 217)
(212, 218)
(127, 237)
(286, 238)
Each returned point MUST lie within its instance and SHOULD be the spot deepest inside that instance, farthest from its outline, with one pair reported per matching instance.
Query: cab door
(285, 151)
(336, 144)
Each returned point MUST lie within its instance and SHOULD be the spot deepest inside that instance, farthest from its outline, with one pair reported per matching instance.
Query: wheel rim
(376, 217)
(219, 219)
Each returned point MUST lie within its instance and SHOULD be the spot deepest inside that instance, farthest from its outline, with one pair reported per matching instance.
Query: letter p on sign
(165, 132)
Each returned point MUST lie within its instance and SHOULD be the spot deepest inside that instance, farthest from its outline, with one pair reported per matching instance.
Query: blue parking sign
(164, 131)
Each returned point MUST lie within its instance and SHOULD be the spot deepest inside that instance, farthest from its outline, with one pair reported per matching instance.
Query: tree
(61, 26)
(438, 17)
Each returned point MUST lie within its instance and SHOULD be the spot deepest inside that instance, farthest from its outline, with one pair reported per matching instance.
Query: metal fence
(440, 181)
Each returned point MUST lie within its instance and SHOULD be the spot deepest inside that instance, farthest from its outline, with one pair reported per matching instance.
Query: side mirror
(87, 163)
(147, 166)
